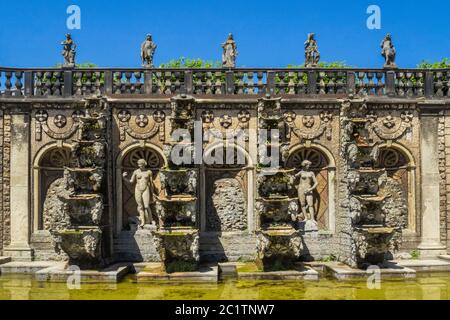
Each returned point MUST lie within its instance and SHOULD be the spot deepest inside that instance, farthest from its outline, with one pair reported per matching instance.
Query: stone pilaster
(19, 248)
(430, 245)
(445, 190)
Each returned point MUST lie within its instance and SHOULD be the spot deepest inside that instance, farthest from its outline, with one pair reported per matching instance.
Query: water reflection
(429, 288)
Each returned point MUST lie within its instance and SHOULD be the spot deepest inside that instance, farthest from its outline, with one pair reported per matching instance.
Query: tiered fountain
(279, 243)
(177, 239)
(376, 202)
(74, 205)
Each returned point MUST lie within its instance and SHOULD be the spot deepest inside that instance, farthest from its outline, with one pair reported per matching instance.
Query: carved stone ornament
(207, 116)
(226, 121)
(391, 127)
(244, 116)
(41, 116)
(124, 115)
(308, 121)
(142, 121)
(269, 109)
(60, 121)
(313, 126)
(159, 116)
(77, 114)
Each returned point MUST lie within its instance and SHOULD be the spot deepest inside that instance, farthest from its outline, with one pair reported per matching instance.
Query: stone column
(19, 248)
(430, 245)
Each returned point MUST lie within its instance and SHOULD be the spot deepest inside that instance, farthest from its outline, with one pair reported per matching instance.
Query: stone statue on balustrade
(144, 192)
(312, 54)
(229, 52)
(388, 52)
(306, 187)
(69, 52)
(148, 49)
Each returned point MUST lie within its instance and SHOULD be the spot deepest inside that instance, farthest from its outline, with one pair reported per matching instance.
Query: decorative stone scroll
(227, 122)
(60, 121)
(142, 121)
(313, 127)
(391, 127)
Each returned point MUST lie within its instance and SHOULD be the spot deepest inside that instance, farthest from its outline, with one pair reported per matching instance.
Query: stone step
(437, 265)
(445, 257)
(227, 270)
(22, 267)
(4, 260)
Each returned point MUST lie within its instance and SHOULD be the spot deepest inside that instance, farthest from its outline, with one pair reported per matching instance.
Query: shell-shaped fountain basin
(275, 182)
(179, 182)
(82, 245)
(372, 198)
(86, 180)
(178, 248)
(376, 230)
(276, 209)
(280, 232)
(177, 210)
(278, 248)
(85, 209)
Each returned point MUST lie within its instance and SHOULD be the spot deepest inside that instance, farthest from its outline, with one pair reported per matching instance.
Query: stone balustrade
(57, 82)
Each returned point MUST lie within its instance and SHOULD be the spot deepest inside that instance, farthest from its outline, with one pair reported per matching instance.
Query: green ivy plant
(442, 64)
(189, 63)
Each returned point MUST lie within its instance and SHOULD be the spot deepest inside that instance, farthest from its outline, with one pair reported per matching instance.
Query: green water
(430, 288)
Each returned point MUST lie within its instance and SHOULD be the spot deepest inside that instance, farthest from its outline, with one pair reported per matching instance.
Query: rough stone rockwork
(229, 205)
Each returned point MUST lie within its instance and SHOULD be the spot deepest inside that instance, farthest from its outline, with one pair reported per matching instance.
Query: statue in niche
(312, 54)
(388, 52)
(148, 49)
(306, 187)
(69, 52)
(143, 192)
(229, 52)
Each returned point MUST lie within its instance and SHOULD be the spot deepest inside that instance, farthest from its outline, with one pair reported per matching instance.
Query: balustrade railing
(402, 83)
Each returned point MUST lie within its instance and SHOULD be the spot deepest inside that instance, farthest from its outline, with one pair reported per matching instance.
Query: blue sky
(268, 33)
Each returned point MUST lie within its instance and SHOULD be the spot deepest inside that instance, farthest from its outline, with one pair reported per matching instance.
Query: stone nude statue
(307, 185)
(143, 192)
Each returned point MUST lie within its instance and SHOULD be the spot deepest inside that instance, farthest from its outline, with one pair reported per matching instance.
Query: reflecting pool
(435, 287)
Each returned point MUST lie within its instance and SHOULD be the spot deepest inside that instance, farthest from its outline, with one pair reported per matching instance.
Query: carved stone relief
(61, 127)
(310, 127)
(139, 126)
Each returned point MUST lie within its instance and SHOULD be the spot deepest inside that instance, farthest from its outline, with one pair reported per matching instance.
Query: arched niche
(323, 165)
(48, 166)
(400, 165)
(227, 186)
(127, 162)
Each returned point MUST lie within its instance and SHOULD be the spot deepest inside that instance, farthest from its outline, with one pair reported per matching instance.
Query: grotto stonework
(99, 166)
(74, 205)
